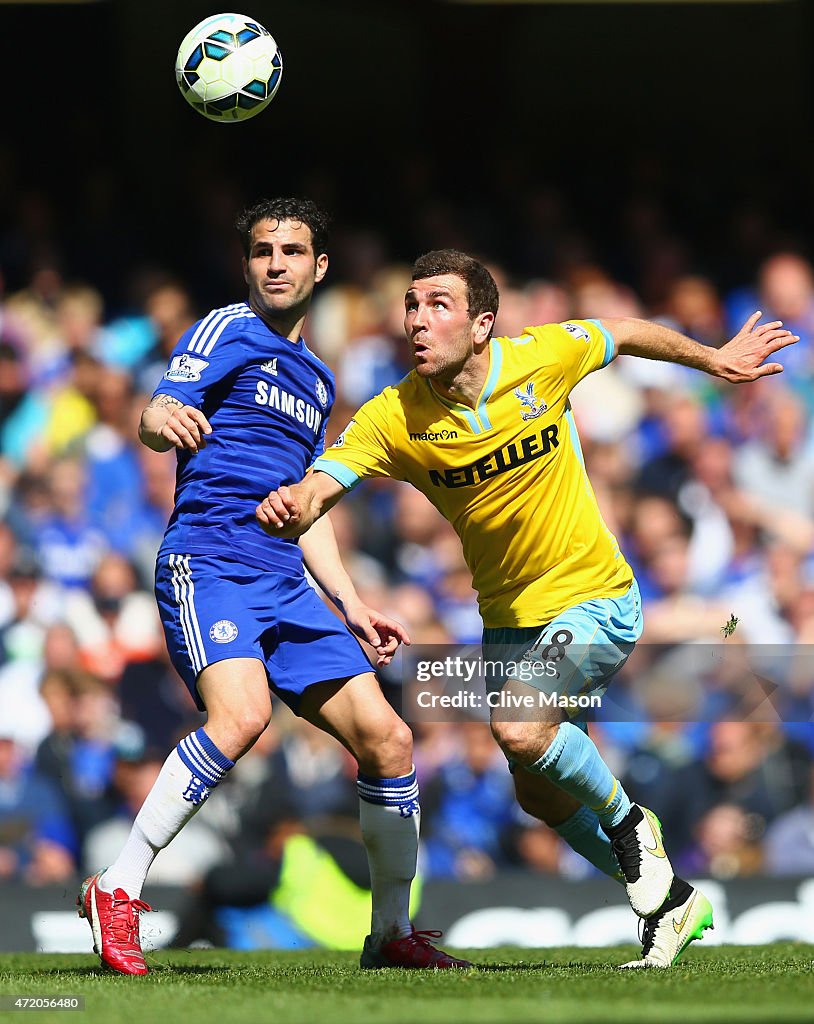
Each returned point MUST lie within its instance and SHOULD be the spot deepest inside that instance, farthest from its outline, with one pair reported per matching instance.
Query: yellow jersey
(508, 473)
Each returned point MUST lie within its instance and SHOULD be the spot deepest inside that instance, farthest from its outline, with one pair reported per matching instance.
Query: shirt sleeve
(190, 375)
(363, 449)
(319, 447)
(580, 347)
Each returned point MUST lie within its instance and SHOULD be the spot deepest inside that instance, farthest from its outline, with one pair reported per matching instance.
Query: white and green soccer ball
(228, 67)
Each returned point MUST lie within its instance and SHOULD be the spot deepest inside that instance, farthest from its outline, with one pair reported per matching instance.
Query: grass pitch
(509, 985)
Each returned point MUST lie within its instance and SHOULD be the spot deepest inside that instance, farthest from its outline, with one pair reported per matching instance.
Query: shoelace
(423, 937)
(123, 924)
(629, 855)
(647, 933)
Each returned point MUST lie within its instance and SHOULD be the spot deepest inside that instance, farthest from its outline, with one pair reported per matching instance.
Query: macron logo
(435, 435)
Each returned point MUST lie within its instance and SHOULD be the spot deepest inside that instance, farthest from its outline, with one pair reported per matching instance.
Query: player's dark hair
(301, 210)
(482, 295)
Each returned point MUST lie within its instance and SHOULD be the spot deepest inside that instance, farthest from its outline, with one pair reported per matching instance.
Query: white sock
(390, 817)
(184, 783)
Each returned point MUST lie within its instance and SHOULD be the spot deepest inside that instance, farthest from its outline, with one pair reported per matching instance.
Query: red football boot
(114, 921)
(415, 951)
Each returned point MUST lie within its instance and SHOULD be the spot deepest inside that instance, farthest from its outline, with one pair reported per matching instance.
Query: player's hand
(382, 633)
(280, 513)
(187, 428)
(742, 359)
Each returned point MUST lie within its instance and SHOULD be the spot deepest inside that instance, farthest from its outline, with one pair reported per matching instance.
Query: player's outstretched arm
(290, 511)
(324, 562)
(167, 423)
(740, 360)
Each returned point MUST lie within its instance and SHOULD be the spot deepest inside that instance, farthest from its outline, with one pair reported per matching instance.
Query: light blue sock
(575, 765)
(584, 834)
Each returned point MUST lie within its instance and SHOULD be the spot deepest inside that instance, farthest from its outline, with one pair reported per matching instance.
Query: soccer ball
(228, 67)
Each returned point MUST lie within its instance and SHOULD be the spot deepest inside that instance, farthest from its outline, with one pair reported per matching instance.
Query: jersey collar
(478, 418)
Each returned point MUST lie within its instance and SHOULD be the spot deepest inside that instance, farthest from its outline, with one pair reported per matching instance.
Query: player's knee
(240, 730)
(386, 750)
(523, 742)
(253, 724)
(401, 740)
(398, 740)
(514, 739)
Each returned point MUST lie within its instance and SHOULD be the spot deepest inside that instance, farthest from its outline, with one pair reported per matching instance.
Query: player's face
(438, 325)
(282, 267)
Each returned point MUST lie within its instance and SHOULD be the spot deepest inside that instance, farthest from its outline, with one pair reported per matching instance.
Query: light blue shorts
(574, 656)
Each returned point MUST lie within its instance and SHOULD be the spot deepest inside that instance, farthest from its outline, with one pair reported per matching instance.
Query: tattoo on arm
(161, 400)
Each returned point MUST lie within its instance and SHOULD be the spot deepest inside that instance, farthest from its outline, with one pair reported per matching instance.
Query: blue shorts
(573, 656)
(213, 609)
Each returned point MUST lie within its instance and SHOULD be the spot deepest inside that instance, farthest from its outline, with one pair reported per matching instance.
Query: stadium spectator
(141, 341)
(78, 316)
(23, 411)
(370, 361)
(152, 695)
(469, 809)
(70, 545)
(33, 308)
(749, 765)
(727, 843)
(652, 523)
(789, 840)
(694, 306)
(78, 756)
(134, 771)
(35, 605)
(422, 537)
(687, 429)
(778, 467)
(706, 499)
(314, 770)
(115, 622)
(665, 751)
(22, 696)
(71, 412)
(38, 844)
(784, 291)
(274, 897)
(114, 484)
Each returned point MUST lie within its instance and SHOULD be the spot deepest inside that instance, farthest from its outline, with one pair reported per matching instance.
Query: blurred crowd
(709, 488)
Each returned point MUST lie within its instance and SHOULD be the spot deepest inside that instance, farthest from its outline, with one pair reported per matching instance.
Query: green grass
(510, 985)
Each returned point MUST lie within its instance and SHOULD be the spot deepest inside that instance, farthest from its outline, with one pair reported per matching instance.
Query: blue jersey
(267, 399)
